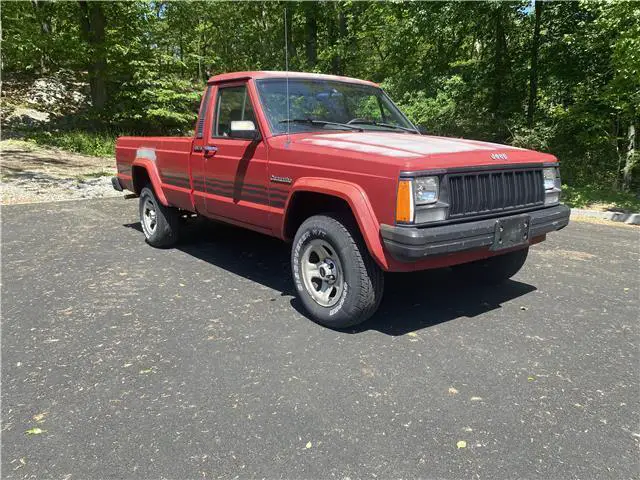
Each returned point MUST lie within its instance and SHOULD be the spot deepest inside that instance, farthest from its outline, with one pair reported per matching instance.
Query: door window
(233, 104)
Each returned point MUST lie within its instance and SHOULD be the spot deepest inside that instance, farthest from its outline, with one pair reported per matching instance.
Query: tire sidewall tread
(167, 221)
(363, 278)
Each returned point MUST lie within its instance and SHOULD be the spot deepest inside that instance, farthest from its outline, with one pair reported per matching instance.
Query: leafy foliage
(597, 196)
(98, 144)
(480, 70)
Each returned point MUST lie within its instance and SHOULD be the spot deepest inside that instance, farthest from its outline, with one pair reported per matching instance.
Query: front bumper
(412, 243)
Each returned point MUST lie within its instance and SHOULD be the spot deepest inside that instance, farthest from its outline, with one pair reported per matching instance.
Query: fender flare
(359, 204)
(150, 166)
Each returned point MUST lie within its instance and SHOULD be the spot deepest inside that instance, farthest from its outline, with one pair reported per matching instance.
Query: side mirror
(244, 129)
(422, 129)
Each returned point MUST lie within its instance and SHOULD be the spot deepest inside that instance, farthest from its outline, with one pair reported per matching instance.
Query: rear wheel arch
(143, 173)
(140, 178)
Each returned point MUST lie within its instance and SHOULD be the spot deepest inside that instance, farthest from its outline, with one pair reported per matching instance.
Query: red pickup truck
(332, 165)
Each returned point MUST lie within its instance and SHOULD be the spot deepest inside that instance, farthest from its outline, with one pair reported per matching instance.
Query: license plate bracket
(511, 232)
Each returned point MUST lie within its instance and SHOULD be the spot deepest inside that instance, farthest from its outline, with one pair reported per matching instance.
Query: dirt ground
(29, 174)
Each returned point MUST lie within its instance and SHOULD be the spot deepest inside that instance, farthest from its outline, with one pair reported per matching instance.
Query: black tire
(363, 282)
(167, 227)
(493, 270)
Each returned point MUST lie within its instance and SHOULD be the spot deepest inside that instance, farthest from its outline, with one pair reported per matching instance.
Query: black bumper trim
(115, 181)
(412, 243)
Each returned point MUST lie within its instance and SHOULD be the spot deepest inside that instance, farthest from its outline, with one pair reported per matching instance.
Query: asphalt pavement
(124, 361)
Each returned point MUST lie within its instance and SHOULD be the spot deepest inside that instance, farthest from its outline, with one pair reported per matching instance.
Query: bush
(597, 196)
(98, 144)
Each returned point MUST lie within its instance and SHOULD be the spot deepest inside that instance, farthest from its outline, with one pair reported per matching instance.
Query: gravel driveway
(195, 362)
(29, 173)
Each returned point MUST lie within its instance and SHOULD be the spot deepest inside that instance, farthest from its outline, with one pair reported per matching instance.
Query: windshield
(317, 105)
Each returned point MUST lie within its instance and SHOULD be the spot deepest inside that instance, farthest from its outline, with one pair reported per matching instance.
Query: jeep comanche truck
(332, 165)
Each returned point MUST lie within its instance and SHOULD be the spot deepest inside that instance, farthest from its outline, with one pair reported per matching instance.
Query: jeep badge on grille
(499, 156)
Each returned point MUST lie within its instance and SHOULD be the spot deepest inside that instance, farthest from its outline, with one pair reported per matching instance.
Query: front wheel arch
(349, 197)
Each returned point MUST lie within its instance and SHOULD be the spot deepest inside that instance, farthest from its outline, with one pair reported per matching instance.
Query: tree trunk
(311, 34)
(92, 27)
(533, 72)
(631, 158)
(342, 35)
(500, 77)
(291, 47)
(44, 18)
(498, 60)
(332, 37)
(181, 55)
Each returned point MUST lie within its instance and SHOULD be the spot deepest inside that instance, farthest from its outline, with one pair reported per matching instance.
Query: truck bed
(171, 158)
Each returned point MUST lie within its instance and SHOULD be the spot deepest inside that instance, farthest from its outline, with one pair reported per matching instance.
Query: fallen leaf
(308, 445)
(35, 431)
(531, 378)
(39, 417)
(146, 370)
(523, 308)
(412, 334)
(476, 399)
(452, 391)
(22, 464)
(461, 444)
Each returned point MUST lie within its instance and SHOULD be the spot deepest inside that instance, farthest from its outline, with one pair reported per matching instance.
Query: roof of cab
(228, 77)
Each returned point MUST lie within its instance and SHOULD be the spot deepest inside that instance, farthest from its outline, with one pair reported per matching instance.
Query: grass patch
(97, 144)
(597, 197)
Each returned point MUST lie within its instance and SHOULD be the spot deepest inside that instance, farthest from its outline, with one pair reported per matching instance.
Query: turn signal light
(404, 202)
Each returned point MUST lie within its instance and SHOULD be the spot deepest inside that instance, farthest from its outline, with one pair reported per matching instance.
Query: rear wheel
(493, 270)
(337, 281)
(160, 224)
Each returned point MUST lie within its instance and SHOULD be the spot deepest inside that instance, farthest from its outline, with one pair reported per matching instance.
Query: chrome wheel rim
(149, 217)
(322, 273)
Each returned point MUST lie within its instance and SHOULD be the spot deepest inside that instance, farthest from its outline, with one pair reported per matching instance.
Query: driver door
(236, 168)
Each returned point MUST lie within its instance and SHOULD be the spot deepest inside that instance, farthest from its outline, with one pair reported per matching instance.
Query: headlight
(426, 190)
(552, 185)
(550, 176)
(418, 200)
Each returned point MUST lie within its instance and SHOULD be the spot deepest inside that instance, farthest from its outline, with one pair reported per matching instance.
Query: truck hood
(422, 151)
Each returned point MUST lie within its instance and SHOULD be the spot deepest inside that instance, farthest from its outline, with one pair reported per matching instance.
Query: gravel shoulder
(30, 174)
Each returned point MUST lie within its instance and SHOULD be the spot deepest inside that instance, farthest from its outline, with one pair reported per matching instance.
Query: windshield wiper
(312, 121)
(382, 124)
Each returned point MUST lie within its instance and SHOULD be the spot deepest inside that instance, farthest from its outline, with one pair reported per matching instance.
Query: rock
(54, 93)
(27, 117)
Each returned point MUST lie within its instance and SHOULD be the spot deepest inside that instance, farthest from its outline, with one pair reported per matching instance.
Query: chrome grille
(494, 191)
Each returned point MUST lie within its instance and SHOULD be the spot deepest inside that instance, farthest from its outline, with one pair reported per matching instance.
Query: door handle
(210, 150)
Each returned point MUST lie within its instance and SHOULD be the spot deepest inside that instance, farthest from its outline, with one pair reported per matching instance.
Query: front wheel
(337, 281)
(160, 224)
(493, 270)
